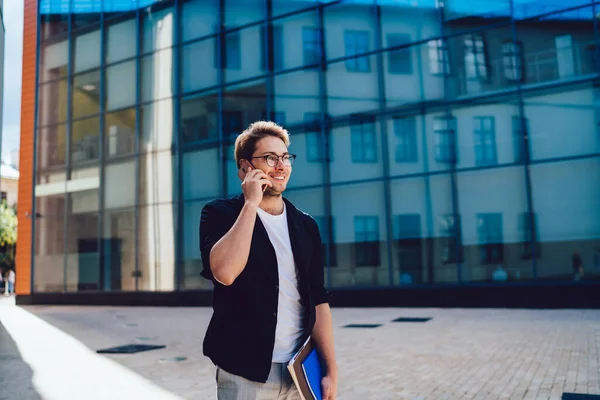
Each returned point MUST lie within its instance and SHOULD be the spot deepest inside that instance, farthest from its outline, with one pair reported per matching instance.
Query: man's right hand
(253, 181)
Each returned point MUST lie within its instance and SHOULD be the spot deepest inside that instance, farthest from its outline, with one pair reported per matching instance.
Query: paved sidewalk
(459, 354)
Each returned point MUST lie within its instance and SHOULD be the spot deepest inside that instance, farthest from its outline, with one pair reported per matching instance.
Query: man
(265, 260)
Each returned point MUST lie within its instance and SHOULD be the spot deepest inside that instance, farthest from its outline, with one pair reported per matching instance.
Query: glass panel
(478, 63)
(87, 51)
(120, 85)
(359, 97)
(52, 102)
(199, 118)
(51, 142)
(49, 253)
(443, 226)
(121, 42)
(199, 56)
(207, 161)
(297, 98)
(86, 94)
(355, 25)
(157, 178)
(271, 46)
(485, 133)
(118, 242)
(85, 140)
(552, 116)
(192, 262)
(565, 53)
(55, 59)
(120, 184)
(157, 126)
(157, 76)
(83, 254)
(356, 149)
(398, 17)
(412, 246)
(88, 15)
(490, 224)
(296, 94)
(199, 18)
(532, 8)
(120, 132)
(285, 6)
(241, 12)
(234, 185)
(458, 11)
(243, 105)
(157, 247)
(441, 138)
(360, 236)
(54, 24)
(157, 29)
(302, 29)
(566, 201)
(242, 55)
(56, 178)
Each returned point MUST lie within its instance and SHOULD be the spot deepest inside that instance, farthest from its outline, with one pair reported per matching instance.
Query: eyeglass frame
(266, 157)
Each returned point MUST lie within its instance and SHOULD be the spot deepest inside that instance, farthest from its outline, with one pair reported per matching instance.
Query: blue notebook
(305, 369)
(313, 374)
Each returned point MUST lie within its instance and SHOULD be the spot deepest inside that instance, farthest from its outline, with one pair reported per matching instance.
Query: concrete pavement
(458, 354)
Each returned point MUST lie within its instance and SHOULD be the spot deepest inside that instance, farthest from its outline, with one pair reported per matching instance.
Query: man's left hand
(329, 388)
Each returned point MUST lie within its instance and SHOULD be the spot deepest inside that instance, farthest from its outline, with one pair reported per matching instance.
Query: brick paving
(459, 354)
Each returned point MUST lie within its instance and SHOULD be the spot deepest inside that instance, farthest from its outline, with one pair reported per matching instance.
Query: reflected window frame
(366, 241)
(363, 139)
(356, 42)
(490, 236)
(439, 58)
(530, 245)
(399, 61)
(444, 130)
(484, 140)
(312, 40)
(450, 243)
(232, 51)
(405, 133)
(512, 61)
(315, 142)
(409, 245)
(476, 61)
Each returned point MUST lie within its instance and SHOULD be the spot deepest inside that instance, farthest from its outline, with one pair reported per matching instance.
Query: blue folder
(313, 374)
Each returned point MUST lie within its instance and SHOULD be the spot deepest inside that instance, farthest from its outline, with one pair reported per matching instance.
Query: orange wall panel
(25, 206)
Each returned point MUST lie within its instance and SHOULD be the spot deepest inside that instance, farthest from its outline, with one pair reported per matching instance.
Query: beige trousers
(279, 386)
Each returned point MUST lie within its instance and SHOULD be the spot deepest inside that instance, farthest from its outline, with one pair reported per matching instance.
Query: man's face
(280, 173)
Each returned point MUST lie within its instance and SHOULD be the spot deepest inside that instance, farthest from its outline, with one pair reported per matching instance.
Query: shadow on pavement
(15, 374)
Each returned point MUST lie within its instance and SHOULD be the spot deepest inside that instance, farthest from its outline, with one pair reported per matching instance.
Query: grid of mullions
(132, 65)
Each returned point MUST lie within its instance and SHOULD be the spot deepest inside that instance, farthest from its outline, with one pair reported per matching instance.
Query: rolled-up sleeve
(317, 271)
(212, 229)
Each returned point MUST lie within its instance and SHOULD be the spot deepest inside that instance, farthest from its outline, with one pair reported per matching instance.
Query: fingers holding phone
(254, 182)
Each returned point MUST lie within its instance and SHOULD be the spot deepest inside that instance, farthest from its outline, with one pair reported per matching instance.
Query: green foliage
(8, 226)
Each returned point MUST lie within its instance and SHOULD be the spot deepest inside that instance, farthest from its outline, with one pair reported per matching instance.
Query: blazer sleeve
(213, 226)
(316, 268)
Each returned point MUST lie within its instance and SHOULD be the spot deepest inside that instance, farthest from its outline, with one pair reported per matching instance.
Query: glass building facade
(438, 142)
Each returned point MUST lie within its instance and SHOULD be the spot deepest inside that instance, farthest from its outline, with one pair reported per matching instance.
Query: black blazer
(241, 334)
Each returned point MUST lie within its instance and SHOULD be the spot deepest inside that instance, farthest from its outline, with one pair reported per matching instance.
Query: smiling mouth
(279, 178)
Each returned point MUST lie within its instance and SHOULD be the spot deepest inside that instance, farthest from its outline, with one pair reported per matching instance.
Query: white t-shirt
(289, 309)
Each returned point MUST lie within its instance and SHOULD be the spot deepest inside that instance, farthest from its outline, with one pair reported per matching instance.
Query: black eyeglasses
(273, 159)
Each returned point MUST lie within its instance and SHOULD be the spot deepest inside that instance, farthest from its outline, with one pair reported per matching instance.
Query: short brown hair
(245, 144)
